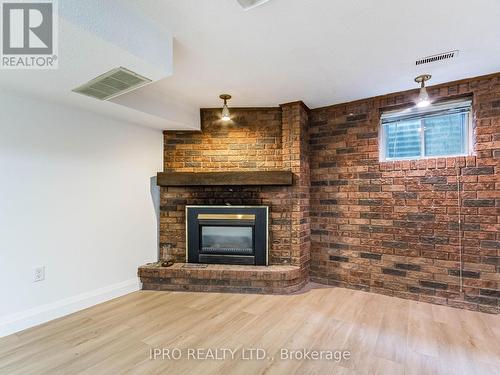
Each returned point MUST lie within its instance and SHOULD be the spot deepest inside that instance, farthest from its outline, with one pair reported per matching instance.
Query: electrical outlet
(39, 273)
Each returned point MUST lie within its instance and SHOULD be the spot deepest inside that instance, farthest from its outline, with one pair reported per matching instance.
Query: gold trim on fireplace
(226, 217)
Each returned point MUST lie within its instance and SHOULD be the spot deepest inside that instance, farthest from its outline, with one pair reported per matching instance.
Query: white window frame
(415, 111)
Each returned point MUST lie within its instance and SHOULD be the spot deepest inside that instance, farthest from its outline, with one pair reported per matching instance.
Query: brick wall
(255, 139)
(251, 141)
(392, 227)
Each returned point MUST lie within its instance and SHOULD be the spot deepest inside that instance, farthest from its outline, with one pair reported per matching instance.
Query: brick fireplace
(348, 219)
(257, 139)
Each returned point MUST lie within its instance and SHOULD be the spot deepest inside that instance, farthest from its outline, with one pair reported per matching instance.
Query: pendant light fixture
(423, 99)
(226, 116)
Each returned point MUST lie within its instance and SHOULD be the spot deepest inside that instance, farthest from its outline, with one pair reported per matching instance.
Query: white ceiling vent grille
(111, 84)
(436, 58)
(249, 4)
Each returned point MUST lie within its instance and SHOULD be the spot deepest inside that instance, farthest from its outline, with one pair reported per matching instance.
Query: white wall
(75, 197)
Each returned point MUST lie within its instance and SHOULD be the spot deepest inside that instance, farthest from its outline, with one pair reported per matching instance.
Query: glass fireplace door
(227, 240)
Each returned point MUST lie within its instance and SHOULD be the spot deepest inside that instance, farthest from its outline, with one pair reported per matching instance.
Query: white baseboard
(25, 319)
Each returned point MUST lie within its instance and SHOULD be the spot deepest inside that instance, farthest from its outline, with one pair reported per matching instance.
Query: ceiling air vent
(249, 4)
(113, 83)
(436, 58)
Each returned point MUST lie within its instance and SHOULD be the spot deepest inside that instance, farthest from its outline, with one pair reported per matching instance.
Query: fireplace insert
(227, 234)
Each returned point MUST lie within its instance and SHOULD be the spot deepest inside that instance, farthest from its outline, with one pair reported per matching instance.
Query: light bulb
(226, 116)
(423, 98)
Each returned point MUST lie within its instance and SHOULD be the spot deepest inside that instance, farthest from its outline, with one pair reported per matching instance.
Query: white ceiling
(320, 51)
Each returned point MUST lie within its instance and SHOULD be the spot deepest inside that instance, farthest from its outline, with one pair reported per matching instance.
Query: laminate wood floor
(383, 335)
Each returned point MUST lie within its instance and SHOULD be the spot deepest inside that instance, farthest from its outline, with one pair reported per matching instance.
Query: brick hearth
(224, 278)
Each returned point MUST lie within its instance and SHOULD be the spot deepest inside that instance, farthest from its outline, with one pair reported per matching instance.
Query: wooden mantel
(225, 178)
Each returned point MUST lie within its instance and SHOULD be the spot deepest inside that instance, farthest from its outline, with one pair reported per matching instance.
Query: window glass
(436, 131)
(444, 135)
(403, 139)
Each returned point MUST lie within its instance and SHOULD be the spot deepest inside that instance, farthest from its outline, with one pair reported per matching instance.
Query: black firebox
(227, 234)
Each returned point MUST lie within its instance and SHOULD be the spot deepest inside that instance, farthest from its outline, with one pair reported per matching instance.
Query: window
(418, 133)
